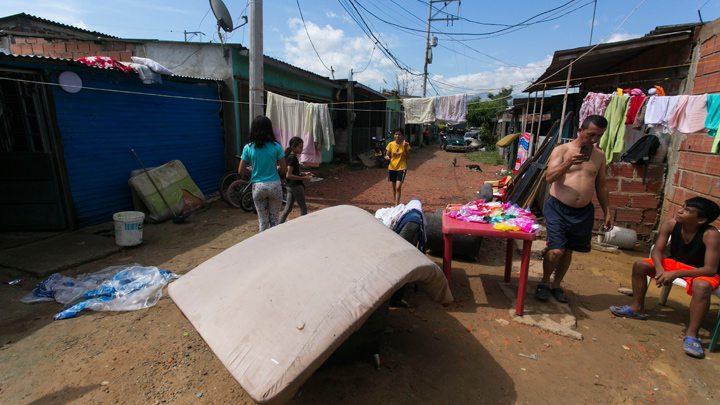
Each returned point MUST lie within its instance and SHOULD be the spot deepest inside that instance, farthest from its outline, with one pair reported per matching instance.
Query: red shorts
(672, 265)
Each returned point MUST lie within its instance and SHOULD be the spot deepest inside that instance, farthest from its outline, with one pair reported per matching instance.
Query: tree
(483, 112)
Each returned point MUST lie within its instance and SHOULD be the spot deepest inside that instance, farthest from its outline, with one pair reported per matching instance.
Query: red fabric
(673, 265)
(105, 62)
(635, 104)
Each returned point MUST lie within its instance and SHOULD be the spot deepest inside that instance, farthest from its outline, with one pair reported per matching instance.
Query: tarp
(274, 311)
(508, 139)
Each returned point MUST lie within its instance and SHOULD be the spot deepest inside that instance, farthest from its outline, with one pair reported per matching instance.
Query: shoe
(626, 312)
(542, 292)
(692, 347)
(559, 295)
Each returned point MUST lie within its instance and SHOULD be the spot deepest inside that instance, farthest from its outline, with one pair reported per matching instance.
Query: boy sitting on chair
(694, 256)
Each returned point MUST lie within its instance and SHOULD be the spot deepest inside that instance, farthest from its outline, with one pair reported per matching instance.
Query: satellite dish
(222, 14)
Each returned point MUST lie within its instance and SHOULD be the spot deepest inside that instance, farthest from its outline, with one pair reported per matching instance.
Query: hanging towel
(690, 115)
(640, 116)
(672, 107)
(613, 140)
(713, 119)
(451, 108)
(419, 110)
(656, 109)
(522, 153)
(594, 104)
(633, 109)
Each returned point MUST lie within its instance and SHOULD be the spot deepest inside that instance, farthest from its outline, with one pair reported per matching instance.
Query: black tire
(233, 195)
(246, 201)
(226, 181)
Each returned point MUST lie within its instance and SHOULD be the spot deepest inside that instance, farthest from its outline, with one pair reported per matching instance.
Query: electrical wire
(310, 39)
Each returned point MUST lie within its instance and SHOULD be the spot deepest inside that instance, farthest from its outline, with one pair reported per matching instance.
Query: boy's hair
(598, 120)
(402, 131)
(706, 209)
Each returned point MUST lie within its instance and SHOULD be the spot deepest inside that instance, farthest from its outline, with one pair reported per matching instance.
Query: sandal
(692, 347)
(626, 312)
(542, 292)
(559, 295)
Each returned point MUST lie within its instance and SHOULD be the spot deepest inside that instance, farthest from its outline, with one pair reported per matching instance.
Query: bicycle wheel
(246, 201)
(226, 181)
(234, 192)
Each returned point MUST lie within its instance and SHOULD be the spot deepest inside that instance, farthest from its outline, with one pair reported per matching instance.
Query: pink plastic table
(452, 227)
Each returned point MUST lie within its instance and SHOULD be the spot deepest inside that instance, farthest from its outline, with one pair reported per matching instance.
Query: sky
(483, 46)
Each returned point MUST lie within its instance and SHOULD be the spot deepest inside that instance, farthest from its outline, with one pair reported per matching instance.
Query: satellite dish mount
(224, 21)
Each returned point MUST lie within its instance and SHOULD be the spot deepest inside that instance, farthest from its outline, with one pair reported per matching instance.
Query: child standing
(397, 154)
(294, 180)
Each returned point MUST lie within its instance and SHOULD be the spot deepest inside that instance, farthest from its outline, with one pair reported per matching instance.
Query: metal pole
(532, 123)
(542, 105)
(567, 86)
(592, 24)
(256, 59)
(427, 49)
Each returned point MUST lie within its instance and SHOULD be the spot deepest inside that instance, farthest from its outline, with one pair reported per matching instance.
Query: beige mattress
(274, 307)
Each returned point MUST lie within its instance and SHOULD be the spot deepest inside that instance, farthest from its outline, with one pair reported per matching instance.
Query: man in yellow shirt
(397, 154)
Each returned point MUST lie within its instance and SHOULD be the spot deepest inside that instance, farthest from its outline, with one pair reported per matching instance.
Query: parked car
(469, 136)
(455, 142)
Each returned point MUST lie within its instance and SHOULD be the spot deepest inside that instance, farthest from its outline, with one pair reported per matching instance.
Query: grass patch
(490, 158)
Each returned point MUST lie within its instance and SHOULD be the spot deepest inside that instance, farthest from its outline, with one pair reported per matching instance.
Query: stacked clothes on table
(504, 216)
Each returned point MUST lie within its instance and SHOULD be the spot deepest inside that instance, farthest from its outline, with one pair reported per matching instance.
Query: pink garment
(105, 62)
(690, 115)
(635, 104)
(594, 104)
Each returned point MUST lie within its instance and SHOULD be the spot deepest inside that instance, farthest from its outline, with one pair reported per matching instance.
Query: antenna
(224, 20)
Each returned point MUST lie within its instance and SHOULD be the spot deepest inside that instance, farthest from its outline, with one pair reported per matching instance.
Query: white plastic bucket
(621, 237)
(128, 228)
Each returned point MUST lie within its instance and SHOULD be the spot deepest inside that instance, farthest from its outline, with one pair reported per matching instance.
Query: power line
(310, 39)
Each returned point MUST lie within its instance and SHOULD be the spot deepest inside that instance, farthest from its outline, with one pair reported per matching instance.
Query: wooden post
(567, 86)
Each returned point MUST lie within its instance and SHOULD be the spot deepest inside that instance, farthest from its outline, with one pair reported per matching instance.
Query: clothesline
(430, 109)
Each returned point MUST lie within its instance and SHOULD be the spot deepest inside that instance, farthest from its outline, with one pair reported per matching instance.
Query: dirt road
(470, 352)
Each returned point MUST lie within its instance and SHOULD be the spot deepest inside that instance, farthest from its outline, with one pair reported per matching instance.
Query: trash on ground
(115, 288)
(18, 281)
(529, 356)
(626, 291)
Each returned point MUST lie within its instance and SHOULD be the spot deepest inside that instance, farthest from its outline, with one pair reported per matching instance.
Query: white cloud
(330, 14)
(556, 26)
(622, 37)
(492, 81)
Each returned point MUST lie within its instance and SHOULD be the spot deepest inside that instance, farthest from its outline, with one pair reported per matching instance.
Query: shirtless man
(569, 212)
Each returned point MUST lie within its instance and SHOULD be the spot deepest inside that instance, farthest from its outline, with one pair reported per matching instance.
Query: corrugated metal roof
(56, 23)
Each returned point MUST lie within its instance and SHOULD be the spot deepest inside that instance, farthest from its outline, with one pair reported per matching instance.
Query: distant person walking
(294, 179)
(397, 154)
(264, 154)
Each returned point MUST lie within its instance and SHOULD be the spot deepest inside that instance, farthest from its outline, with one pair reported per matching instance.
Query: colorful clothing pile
(105, 62)
(523, 151)
(505, 217)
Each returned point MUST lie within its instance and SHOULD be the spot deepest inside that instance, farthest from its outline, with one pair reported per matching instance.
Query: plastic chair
(500, 187)
(665, 292)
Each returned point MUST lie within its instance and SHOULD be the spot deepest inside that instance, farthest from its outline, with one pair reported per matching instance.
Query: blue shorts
(568, 227)
(396, 175)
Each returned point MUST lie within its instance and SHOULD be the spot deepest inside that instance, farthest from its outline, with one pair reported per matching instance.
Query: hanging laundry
(594, 104)
(451, 108)
(656, 109)
(672, 107)
(523, 147)
(690, 114)
(640, 116)
(419, 110)
(613, 140)
(635, 103)
(659, 91)
(309, 121)
(713, 119)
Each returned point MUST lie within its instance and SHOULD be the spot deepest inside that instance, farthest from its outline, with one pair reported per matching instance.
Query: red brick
(26, 49)
(66, 55)
(59, 48)
(37, 49)
(684, 159)
(612, 185)
(114, 55)
(126, 56)
(624, 170)
(629, 186)
(599, 213)
(687, 180)
(643, 230)
(618, 200)
(31, 40)
(644, 201)
(17, 40)
(654, 172)
(83, 47)
(676, 177)
(48, 48)
(713, 164)
(703, 184)
(650, 216)
(713, 83)
(672, 210)
(707, 47)
(17, 49)
(71, 47)
(678, 196)
(100, 54)
(700, 85)
(693, 142)
(711, 65)
(627, 215)
(715, 189)
(40, 41)
(698, 162)
(94, 47)
(654, 187)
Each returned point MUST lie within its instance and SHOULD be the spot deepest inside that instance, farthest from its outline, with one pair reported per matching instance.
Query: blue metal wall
(98, 129)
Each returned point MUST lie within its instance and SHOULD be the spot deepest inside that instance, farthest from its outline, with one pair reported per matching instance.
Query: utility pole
(256, 59)
(430, 44)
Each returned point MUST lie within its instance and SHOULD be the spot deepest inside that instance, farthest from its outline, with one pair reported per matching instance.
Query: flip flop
(626, 312)
(692, 347)
(559, 295)
(542, 292)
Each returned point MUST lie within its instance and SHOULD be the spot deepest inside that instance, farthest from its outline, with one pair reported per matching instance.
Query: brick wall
(71, 48)
(634, 204)
(694, 170)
